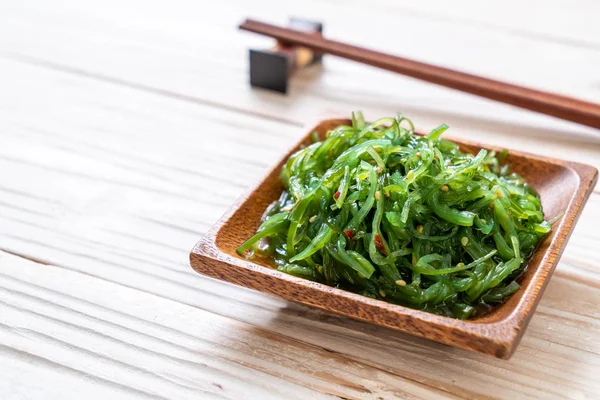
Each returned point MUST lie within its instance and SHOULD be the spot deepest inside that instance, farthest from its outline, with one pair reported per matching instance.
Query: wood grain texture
(125, 135)
(564, 187)
(107, 32)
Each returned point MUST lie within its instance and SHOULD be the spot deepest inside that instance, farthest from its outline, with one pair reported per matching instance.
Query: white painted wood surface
(127, 127)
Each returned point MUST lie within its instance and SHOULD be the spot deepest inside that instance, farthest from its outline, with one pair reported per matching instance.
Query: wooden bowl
(562, 185)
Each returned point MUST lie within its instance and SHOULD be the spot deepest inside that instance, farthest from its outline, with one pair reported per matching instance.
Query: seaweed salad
(380, 211)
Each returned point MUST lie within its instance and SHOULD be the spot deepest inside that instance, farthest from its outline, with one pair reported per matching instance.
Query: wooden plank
(140, 52)
(166, 348)
(554, 21)
(139, 133)
(99, 198)
(116, 151)
(32, 377)
(137, 334)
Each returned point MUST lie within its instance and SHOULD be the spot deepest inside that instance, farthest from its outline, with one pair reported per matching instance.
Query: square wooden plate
(563, 186)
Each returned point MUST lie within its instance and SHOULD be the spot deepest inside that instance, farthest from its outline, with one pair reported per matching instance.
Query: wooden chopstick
(567, 108)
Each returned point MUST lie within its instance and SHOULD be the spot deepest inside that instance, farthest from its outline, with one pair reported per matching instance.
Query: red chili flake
(379, 243)
(349, 233)
(336, 195)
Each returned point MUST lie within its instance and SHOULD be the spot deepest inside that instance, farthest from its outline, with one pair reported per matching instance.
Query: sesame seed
(287, 208)
(410, 174)
(419, 154)
(381, 293)
(419, 228)
(445, 188)
(401, 282)
(414, 259)
(378, 149)
(464, 241)
(387, 194)
(483, 221)
(377, 195)
(312, 219)
(460, 265)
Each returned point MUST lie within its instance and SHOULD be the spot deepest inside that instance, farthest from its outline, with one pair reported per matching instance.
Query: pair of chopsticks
(564, 107)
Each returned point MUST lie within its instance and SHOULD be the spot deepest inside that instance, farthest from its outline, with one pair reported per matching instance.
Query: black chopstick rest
(271, 69)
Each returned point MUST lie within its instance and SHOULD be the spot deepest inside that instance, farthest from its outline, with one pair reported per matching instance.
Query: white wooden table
(127, 127)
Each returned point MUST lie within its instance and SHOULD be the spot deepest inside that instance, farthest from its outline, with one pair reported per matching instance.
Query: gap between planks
(145, 88)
